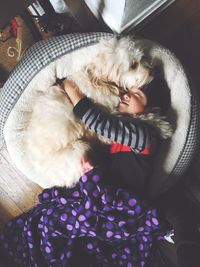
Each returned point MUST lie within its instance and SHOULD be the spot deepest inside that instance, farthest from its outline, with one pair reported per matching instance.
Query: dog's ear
(147, 62)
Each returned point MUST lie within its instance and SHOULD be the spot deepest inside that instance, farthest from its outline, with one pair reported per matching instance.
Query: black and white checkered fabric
(35, 59)
(190, 149)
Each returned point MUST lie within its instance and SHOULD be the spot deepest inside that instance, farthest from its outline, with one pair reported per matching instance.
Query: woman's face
(132, 102)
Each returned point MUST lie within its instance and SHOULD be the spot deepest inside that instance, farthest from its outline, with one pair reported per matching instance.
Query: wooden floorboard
(17, 193)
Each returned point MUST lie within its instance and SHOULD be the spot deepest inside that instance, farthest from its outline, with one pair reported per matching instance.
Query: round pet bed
(44, 62)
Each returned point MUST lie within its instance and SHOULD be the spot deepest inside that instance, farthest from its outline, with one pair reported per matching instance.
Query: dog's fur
(55, 139)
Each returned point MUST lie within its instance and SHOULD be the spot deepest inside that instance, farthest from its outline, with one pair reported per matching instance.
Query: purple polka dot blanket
(92, 224)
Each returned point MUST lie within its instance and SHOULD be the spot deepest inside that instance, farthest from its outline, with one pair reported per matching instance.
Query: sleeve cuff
(82, 107)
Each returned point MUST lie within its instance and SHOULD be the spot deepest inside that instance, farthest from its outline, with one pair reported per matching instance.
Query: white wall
(120, 14)
(111, 11)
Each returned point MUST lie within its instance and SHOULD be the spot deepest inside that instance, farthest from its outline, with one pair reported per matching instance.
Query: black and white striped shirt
(123, 130)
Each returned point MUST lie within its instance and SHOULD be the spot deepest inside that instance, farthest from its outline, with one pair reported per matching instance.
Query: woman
(102, 220)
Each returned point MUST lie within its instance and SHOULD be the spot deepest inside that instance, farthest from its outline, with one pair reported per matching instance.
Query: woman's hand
(86, 165)
(72, 91)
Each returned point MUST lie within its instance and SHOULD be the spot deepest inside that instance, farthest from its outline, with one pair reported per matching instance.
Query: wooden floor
(17, 193)
(178, 28)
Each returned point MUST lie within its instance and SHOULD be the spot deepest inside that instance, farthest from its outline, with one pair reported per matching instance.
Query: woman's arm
(72, 91)
(133, 132)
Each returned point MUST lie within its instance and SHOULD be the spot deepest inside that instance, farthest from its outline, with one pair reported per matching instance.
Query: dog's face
(119, 66)
(136, 76)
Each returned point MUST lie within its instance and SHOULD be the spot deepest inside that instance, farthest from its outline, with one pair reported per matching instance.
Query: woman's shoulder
(158, 123)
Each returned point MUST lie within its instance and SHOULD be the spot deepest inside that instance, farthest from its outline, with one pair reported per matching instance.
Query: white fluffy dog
(55, 139)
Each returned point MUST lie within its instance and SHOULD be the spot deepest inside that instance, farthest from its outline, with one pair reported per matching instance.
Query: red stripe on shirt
(115, 147)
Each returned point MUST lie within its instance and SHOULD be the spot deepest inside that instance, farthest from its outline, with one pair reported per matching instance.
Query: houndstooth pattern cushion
(36, 58)
(191, 147)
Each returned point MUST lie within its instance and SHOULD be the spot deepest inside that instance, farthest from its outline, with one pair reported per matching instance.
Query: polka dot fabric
(101, 225)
